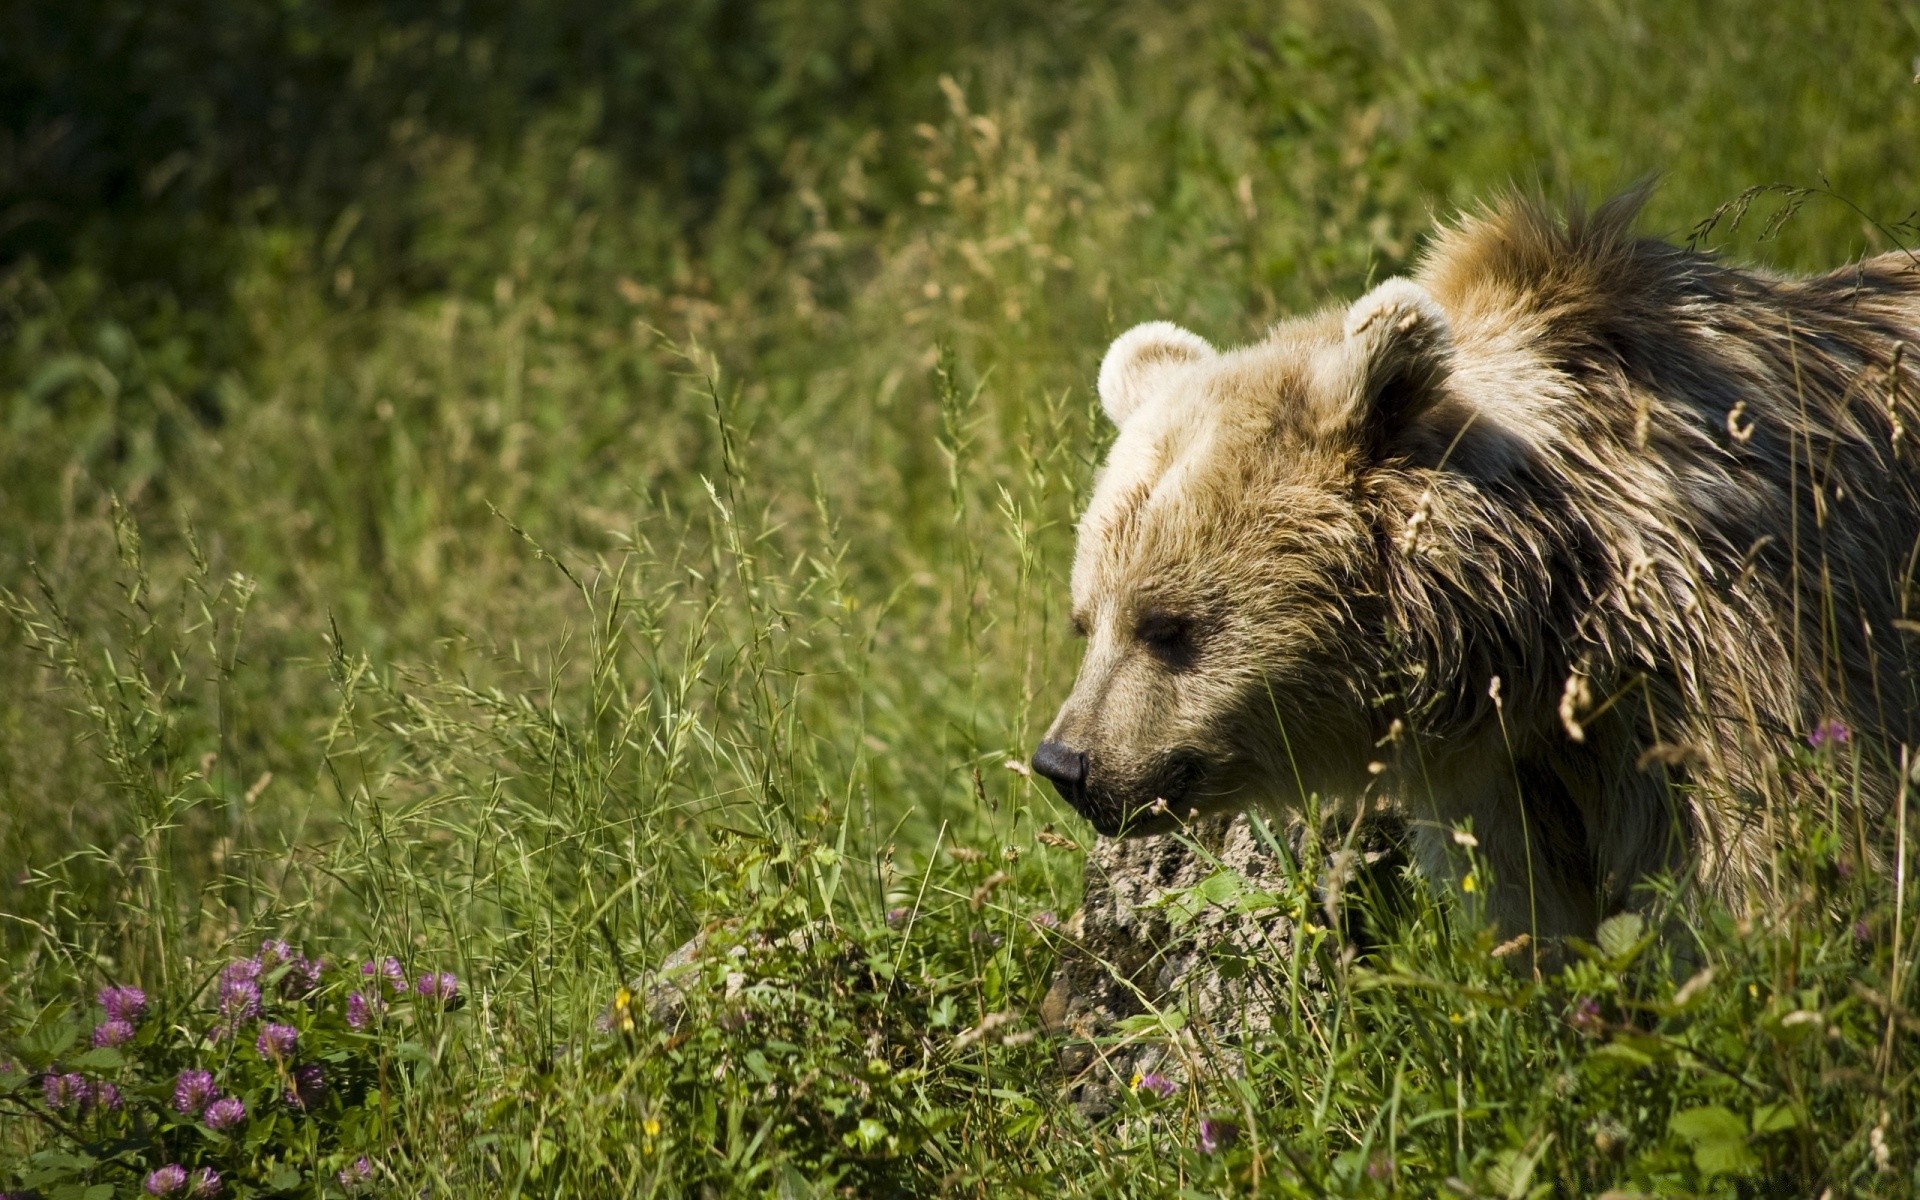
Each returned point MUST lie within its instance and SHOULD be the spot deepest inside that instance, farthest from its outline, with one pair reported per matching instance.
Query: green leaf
(868, 1134)
(1618, 935)
(285, 1179)
(1718, 1139)
(1772, 1118)
(101, 1058)
(1165, 1021)
(1619, 1054)
(1512, 1173)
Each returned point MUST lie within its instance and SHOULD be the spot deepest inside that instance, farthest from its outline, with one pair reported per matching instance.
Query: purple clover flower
(225, 1113)
(309, 1086)
(897, 916)
(113, 1032)
(1830, 732)
(1217, 1135)
(1155, 1082)
(273, 952)
(106, 1096)
(205, 1184)
(388, 969)
(192, 1092)
(276, 1041)
(66, 1091)
(167, 1180)
(358, 1175)
(239, 1000)
(302, 978)
(1045, 919)
(364, 1009)
(442, 986)
(1585, 1016)
(122, 1003)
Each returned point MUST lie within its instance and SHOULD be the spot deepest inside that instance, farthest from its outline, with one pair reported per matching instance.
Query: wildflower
(123, 1003)
(620, 1015)
(239, 1000)
(276, 1041)
(1380, 1168)
(1585, 1016)
(1217, 1135)
(167, 1180)
(388, 969)
(106, 1096)
(241, 970)
(309, 1086)
(442, 987)
(302, 978)
(1862, 932)
(364, 1008)
(113, 1032)
(358, 1175)
(225, 1113)
(205, 1184)
(896, 916)
(1044, 919)
(1156, 1083)
(192, 1091)
(66, 1091)
(1829, 733)
(273, 952)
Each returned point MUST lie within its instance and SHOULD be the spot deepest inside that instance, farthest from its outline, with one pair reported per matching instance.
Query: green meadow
(513, 487)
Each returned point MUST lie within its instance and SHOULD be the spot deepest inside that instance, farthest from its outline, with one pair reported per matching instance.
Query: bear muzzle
(1065, 769)
(1117, 811)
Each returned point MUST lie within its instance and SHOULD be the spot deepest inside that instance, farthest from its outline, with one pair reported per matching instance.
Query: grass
(530, 559)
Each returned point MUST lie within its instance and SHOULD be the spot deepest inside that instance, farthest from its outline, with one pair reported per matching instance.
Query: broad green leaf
(1772, 1118)
(1619, 934)
(1619, 1054)
(1718, 1139)
(100, 1058)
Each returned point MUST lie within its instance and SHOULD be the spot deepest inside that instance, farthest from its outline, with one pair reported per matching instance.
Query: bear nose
(1065, 769)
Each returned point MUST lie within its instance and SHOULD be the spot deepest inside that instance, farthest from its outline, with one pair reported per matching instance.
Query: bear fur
(1569, 540)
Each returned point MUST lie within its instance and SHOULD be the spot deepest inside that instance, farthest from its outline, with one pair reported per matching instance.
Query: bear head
(1228, 574)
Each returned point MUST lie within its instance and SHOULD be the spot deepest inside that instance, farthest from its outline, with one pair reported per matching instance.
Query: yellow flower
(652, 1127)
(1469, 884)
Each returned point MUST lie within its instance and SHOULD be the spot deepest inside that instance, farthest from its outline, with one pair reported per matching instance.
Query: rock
(1130, 956)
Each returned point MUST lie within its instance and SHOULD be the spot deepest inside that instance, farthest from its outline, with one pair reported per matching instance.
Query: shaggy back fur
(1570, 537)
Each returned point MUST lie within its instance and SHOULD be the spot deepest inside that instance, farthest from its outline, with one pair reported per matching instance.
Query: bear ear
(1395, 362)
(1137, 357)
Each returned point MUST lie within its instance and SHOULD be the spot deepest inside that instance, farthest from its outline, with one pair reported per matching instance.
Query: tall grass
(544, 561)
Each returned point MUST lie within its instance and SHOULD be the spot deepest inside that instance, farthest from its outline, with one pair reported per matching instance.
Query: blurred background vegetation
(771, 325)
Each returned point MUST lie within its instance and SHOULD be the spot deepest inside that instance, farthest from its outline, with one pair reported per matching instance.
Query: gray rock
(1130, 953)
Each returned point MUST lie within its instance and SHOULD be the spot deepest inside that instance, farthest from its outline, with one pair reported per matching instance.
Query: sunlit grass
(630, 582)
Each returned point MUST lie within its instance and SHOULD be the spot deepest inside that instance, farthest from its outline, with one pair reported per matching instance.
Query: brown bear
(1565, 540)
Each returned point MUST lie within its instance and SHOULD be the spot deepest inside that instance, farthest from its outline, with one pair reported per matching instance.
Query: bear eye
(1168, 636)
(1080, 627)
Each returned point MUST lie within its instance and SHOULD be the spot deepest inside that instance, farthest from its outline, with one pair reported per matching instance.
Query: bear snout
(1064, 768)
